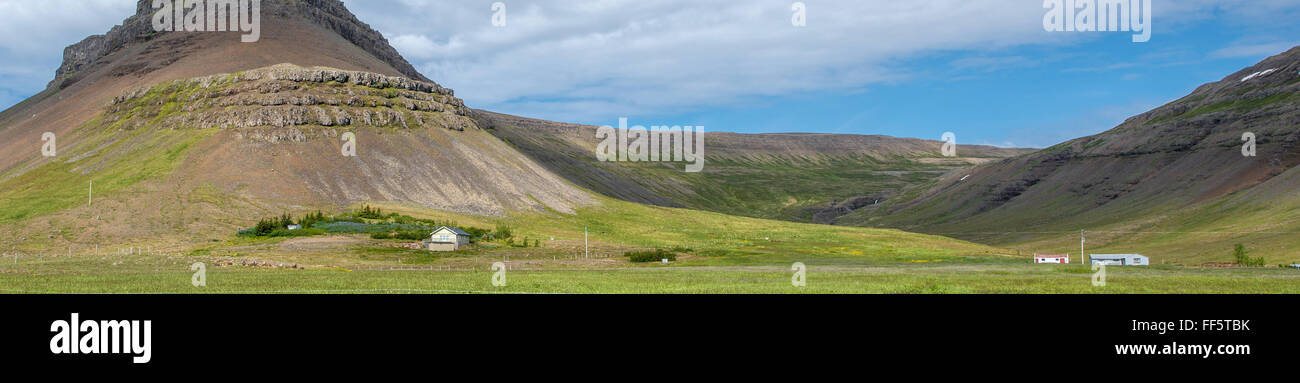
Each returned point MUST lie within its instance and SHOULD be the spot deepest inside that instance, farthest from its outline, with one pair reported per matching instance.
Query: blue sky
(984, 69)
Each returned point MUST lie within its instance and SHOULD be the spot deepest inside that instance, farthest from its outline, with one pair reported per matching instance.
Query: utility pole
(1083, 258)
(586, 249)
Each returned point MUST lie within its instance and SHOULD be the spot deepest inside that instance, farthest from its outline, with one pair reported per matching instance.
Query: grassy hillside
(792, 177)
(113, 159)
(1171, 183)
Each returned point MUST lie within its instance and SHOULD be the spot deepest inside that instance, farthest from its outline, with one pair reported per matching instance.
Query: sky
(986, 70)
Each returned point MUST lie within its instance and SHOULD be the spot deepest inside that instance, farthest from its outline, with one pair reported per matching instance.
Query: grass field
(161, 275)
(726, 255)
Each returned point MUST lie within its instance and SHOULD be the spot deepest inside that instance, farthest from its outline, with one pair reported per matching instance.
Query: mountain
(802, 177)
(1172, 181)
(194, 134)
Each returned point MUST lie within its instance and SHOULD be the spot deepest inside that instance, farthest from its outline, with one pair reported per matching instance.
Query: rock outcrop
(329, 14)
(286, 96)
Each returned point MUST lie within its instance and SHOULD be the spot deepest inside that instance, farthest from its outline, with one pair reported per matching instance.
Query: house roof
(1051, 256)
(1116, 256)
(451, 229)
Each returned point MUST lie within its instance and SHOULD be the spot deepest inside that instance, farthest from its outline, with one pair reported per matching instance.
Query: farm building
(447, 239)
(1052, 258)
(1120, 259)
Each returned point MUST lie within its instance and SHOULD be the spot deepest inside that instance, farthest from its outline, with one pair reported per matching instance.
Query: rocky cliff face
(287, 96)
(329, 14)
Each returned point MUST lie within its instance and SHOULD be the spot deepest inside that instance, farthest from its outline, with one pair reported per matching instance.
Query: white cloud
(571, 60)
(1253, 50)
(579, 60)
(34, 33)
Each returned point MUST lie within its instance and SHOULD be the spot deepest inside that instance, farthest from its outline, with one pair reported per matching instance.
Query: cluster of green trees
(655, 255)
(368, 212)
(311, 219)
(503, 232)
(265, 227)
(279, 226)
(1244, 259)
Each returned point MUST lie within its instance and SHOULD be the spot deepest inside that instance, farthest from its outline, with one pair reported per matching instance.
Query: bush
(381, 236)
(264, 227)
(311, 219)
(650, 256)
(475, 232)
(504, 231)
(295, 233)
(1243, 257)
(411, 235)
(285, 221)
(368, 212)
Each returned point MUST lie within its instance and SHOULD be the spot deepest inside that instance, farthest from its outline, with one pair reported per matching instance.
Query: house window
(444, 238)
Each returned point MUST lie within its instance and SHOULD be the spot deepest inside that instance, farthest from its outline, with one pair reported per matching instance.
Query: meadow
(155, 275)
(717, 254)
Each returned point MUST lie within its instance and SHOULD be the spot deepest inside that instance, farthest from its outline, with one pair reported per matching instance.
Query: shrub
(296, 233)
(504, 231)
(650, 256)
(411, 235)
(475, 232)
(368, 212)
(285, 221)
(1243, 257)
(381, 236)
(264, 227)
(311, 219)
